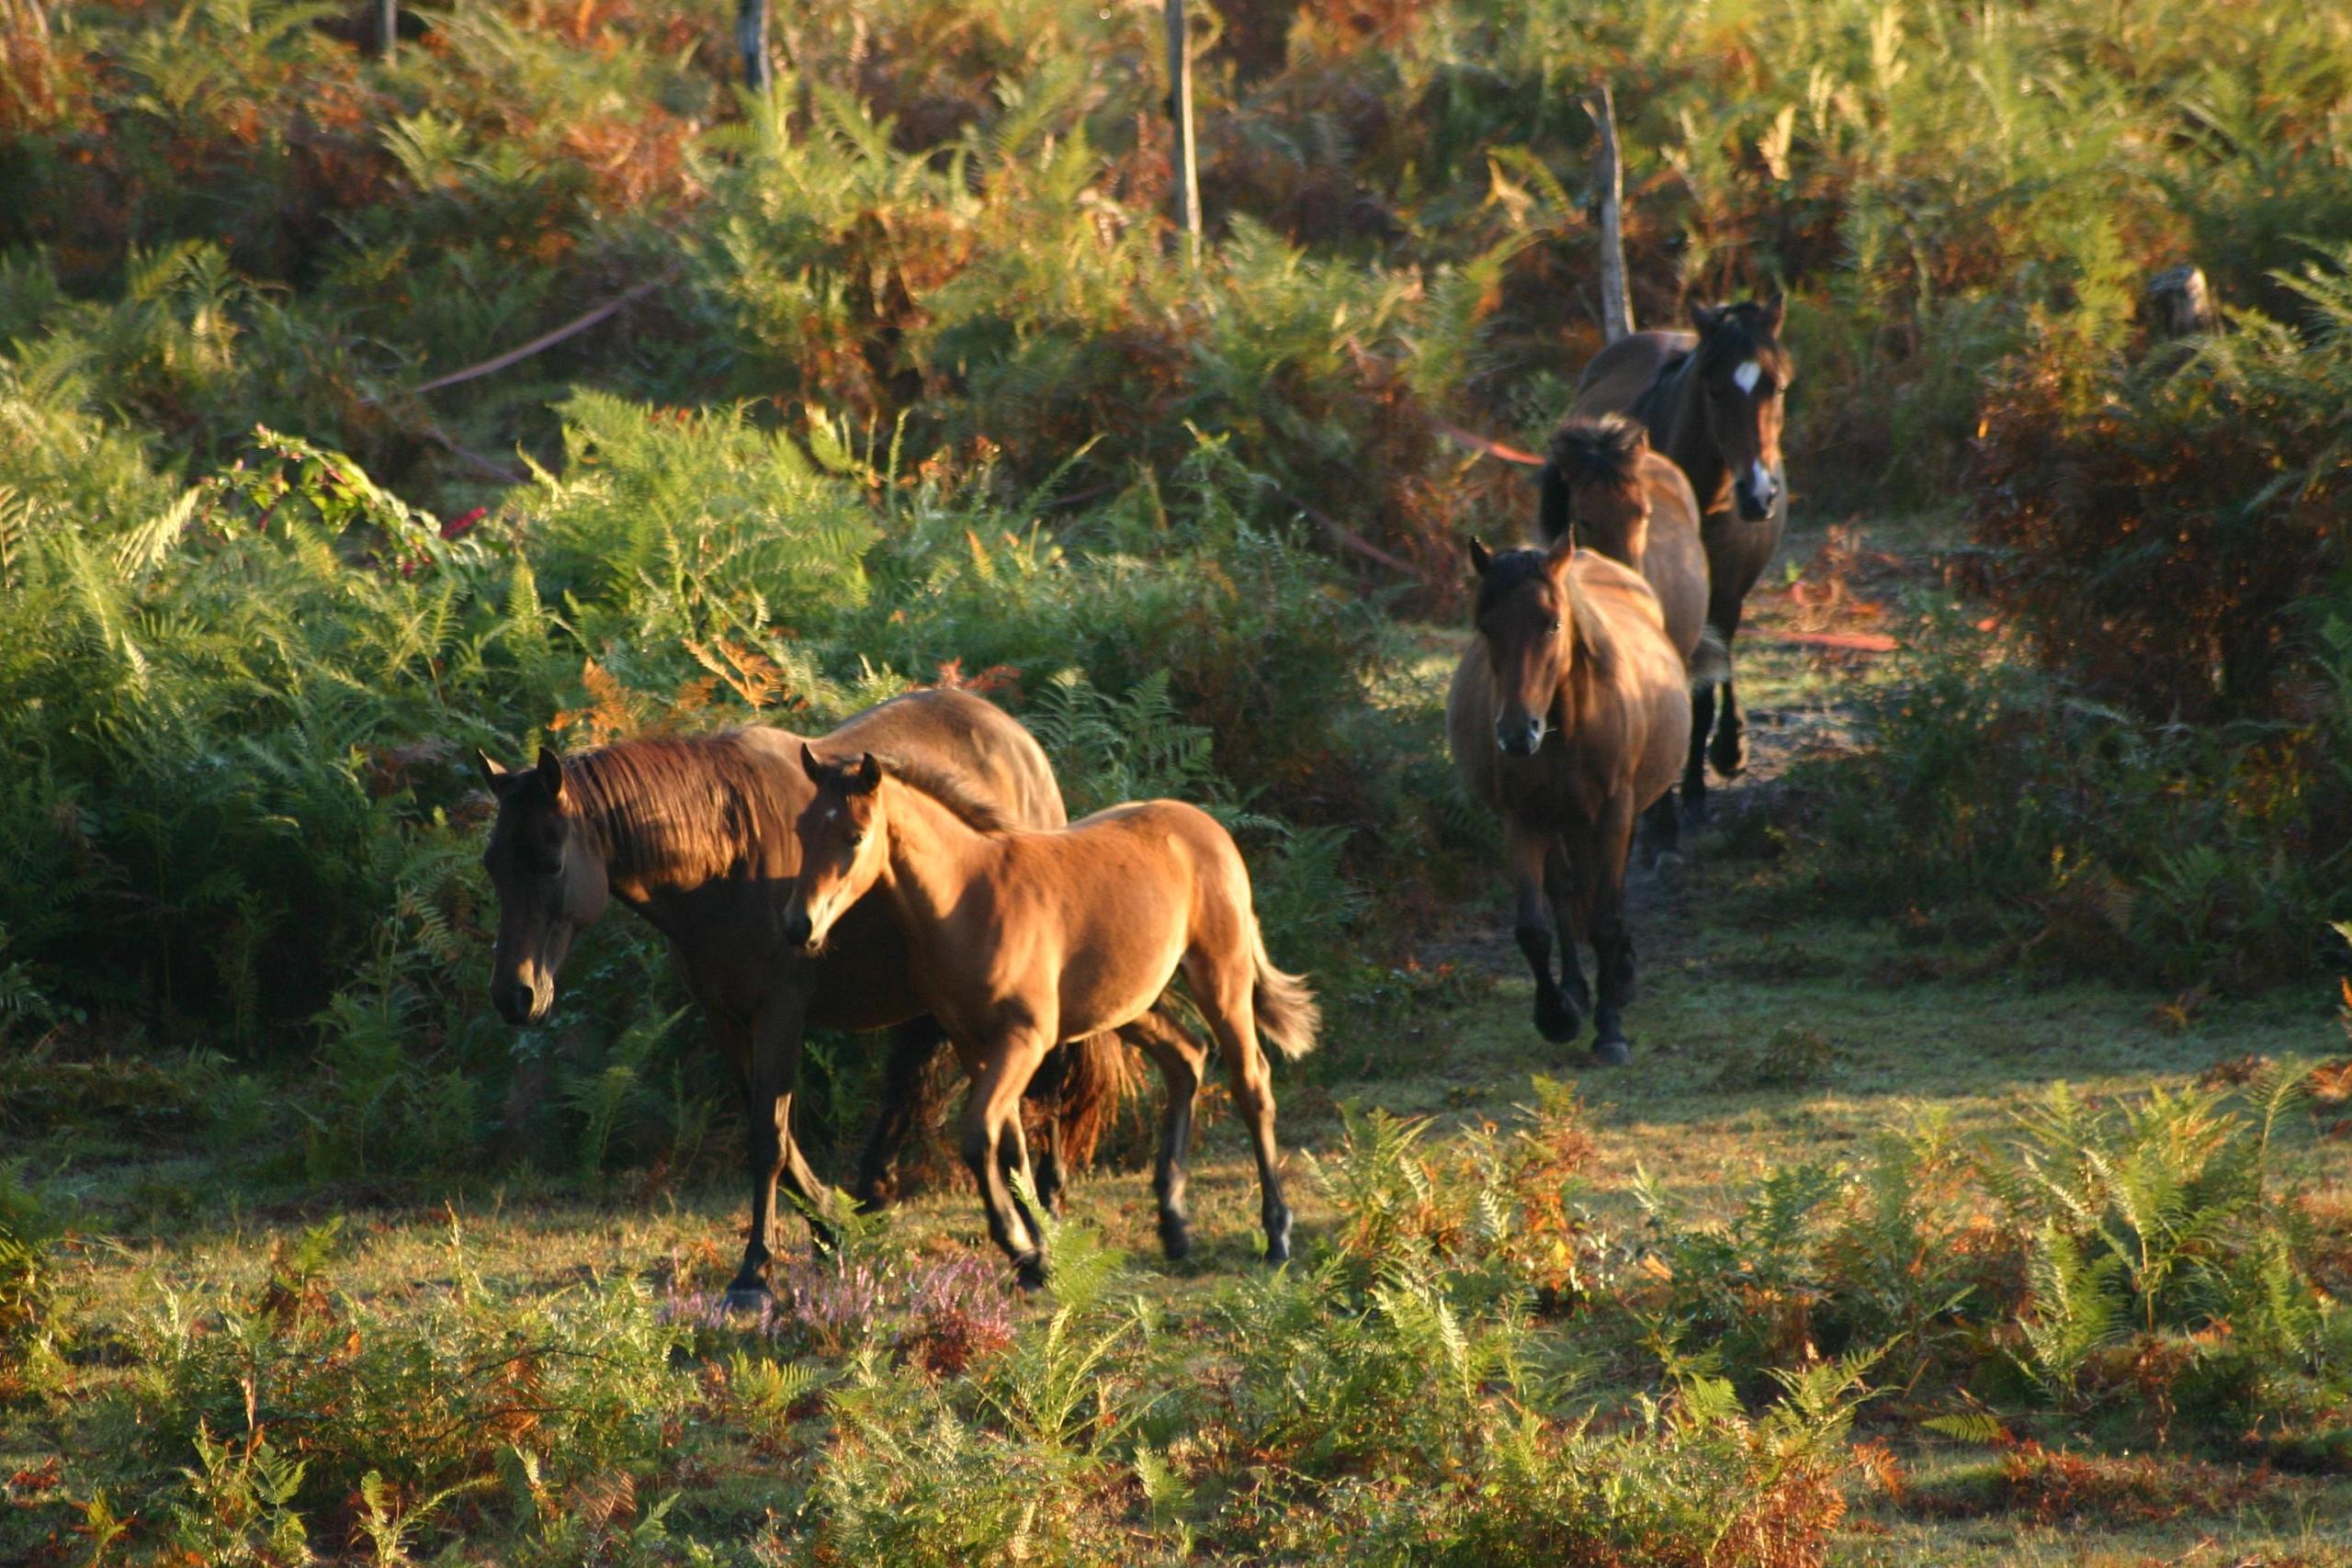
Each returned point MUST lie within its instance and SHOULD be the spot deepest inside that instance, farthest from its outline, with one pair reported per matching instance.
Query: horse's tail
(1553, 513)
(1710, 661)
(1285, 1006)
(1098, 1078)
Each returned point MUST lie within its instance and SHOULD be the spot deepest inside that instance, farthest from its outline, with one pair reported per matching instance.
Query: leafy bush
(2170, 528)
(303, 1408)
(2138, 1259)
(1998, 801)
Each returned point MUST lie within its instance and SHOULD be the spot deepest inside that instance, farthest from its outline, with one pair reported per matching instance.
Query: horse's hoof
(1175, 1238)
(1556, 1019)
(1613, 1052)
(1667, 868)
(1029, 1271)
(1730, 759)
(753, 1298)
(1278, 1239)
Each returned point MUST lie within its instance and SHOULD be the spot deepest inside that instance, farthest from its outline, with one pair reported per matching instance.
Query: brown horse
(1607, 491)
(1713, 401)
(1568, 716)
(696, 836)
(1018, 940)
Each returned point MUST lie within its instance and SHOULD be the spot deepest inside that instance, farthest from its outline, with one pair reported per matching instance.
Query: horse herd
(915, 869)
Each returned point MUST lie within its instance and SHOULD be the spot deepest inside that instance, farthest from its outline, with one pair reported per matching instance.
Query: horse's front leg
(1560, 889)
(774, 1072)
(1729, 752)
(1602, 897)
(1558, 1018)
(1694, 772)
(991, 1117)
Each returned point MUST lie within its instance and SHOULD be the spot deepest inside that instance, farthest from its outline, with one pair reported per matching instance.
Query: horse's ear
(811, 763)
(490, 772)
(1706, 317)
(1776, 310)
(1481, 558)
(868, 775)
(549, 773)
(1562, 555)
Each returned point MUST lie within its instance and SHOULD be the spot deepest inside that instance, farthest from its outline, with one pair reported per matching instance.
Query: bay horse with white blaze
(1020, 939)
(1714, 400)
(1568, 715)
(696, 836)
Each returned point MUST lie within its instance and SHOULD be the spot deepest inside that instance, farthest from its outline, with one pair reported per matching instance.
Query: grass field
(1762, 1043)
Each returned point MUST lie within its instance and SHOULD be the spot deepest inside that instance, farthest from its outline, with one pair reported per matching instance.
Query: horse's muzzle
(518, 1003)
(799, 930)
(1755, 494)
(1519, 737)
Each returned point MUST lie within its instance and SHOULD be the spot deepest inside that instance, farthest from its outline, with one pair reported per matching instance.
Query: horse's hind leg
(1181, 1062)
(912, 1045)
(1049, 1092)
(995, 1100)
(1226, 986)
(1662, 834)
(1558, 1018)
(1602, 875)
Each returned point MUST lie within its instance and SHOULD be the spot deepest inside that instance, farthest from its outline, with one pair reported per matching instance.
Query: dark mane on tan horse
(683, 807)
(1568, 716)
(1607, 450)
(950, 791)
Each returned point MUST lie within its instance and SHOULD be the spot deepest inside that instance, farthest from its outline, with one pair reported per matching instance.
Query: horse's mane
(951, 791)
(1508, 572)
(673, 806)
(1587, 450)
(1607, 448)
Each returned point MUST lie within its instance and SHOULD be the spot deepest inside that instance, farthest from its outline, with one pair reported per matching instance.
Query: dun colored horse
(697, 837)
(1568, 716)
(1712, 401)
(1607, 491)
(1018, 940)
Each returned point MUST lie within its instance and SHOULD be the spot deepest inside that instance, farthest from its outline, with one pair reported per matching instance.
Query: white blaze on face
(1746, 376)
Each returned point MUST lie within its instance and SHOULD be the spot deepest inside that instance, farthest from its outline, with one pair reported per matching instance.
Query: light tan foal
(1019, 940)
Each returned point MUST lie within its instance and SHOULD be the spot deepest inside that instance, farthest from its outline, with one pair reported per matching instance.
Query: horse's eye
(1556, 625)
(856, 841)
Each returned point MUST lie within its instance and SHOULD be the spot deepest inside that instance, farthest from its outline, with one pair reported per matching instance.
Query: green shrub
(302, 1409)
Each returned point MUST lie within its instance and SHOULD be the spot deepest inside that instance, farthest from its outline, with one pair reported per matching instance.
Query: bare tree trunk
(1608, 180)
(388, 21)
(1180, 110)
(751, 37)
